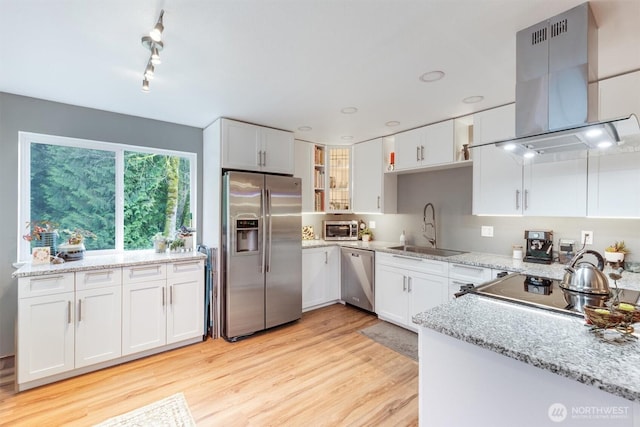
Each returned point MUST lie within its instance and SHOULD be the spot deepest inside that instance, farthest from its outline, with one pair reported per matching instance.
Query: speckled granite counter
(500, 262)
(557, 343)
(106, 261)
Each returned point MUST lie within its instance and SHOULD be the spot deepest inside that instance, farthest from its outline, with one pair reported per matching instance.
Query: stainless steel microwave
(340, 230)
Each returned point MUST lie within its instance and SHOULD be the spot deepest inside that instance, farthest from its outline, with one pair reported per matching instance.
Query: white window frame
(24, 182)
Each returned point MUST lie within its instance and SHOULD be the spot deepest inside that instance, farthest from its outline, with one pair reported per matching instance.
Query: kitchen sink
(428, 251)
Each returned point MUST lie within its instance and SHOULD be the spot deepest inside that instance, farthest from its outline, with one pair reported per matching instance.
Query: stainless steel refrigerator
(262, 254)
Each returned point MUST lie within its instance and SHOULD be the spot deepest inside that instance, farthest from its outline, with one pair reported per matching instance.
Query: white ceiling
(288, 63)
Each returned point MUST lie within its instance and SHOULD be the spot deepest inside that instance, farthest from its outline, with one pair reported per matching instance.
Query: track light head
(155, 56)
(148, 72)
(156, 33)
(145, 85)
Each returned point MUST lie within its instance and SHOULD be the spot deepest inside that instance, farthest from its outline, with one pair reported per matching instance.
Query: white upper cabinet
(613, 177)
(497, 175)
(505, 184)
(256, 148)
(426, 146)
(373, 190)
(619, 96)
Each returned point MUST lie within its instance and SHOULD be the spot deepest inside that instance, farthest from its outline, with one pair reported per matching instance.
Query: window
(123, 194)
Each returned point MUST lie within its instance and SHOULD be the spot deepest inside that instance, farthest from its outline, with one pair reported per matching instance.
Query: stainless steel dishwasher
(358, 279)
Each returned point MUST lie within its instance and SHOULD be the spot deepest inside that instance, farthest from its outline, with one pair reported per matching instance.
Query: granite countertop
(479, 259)
(106, 261)
(558, 343)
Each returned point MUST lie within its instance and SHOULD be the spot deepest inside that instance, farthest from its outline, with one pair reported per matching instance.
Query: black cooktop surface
(546, 293)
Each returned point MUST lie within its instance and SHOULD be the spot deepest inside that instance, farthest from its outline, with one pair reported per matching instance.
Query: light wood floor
(318, 371)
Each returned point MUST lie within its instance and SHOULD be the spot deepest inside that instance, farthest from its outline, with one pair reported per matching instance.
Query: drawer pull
(177, 265)
(69, 312)
(42, 279)
(407, 257)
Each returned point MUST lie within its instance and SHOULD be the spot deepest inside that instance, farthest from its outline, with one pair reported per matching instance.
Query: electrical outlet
(486, 231)
(586, 237)
(372, 224)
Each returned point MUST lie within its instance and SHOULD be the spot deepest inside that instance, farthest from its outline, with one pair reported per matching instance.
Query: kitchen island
(489, 362)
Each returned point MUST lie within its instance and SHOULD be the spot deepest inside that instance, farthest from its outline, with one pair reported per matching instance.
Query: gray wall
(18, 113)
(450, 191)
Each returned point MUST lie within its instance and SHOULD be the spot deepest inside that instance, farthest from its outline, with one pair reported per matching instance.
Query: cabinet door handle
(417, 153)
(409, 284)
(79, 310)
(264, 158)
(69, 312)
(404, 283)
(163, 296)
(378, 202)
(526, 199)
(422, 152)
(326, 257)
(517, 199)
(170, 295)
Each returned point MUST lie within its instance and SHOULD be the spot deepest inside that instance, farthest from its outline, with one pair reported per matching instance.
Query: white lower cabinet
(73, 323)
(406, 286)
(45, 336)
(320, 277)
(158, 305)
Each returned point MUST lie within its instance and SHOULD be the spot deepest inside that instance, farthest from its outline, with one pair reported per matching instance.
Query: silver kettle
(586, 277)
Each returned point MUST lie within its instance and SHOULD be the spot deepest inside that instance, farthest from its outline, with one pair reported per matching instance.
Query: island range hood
(556, 106)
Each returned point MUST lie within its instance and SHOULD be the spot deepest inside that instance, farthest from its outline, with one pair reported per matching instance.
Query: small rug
(396, 338)
(171, 411)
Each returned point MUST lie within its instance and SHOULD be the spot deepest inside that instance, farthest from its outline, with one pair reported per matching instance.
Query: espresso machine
(539, 246)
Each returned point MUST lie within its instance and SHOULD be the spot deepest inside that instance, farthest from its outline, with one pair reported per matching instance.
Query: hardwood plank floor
(318, 371)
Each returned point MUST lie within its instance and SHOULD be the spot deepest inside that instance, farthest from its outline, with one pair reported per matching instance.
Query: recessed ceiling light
(347, 137)
(432, 76)
(592, 133)
(392, 123)
(473, 99)
(349, 110)
(305, 128)
(529, 154)
(510, 146)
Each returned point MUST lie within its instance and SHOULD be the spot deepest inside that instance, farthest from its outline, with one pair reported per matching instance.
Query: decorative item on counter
(40, 255)
(403, 239)
(187, 236)
(159, 243)
(465, 151)
(615, 253)
(307, 232)
(176, 245)
(366, 234)
(392, 161)
(43, 234)
(517, 252)
(73, 249)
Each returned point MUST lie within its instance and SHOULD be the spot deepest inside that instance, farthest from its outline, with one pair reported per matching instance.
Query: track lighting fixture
(154, 44)
(156, 33)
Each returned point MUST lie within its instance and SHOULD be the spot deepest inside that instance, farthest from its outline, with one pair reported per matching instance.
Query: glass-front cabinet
(319, 177)
(339, 179)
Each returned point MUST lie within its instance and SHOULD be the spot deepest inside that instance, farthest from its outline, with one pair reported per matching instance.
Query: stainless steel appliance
(340, 230)
(546, 293)
(358, 278)
(585, 277)
(262, 257)
(556, 99)
(539, 247)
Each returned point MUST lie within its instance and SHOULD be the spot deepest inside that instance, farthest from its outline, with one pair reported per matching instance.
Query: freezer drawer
(358, 279)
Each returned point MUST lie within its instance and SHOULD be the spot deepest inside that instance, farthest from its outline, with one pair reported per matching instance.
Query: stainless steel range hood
(556, 106)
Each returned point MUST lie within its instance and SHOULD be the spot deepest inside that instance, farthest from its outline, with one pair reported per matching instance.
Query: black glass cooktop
(546, 293)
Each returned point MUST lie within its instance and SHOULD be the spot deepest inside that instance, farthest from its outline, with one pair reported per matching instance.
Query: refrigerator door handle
(263, 203)
(269, 230)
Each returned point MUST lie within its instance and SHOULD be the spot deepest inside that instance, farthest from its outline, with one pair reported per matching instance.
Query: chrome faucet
(425, 224)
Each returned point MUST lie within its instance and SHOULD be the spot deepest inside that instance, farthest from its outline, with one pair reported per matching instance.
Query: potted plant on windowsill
(43, 233)
(73, 249)
(616, 252)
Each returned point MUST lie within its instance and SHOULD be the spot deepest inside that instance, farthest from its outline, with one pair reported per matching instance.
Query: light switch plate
(372, 224)
(486, 231)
